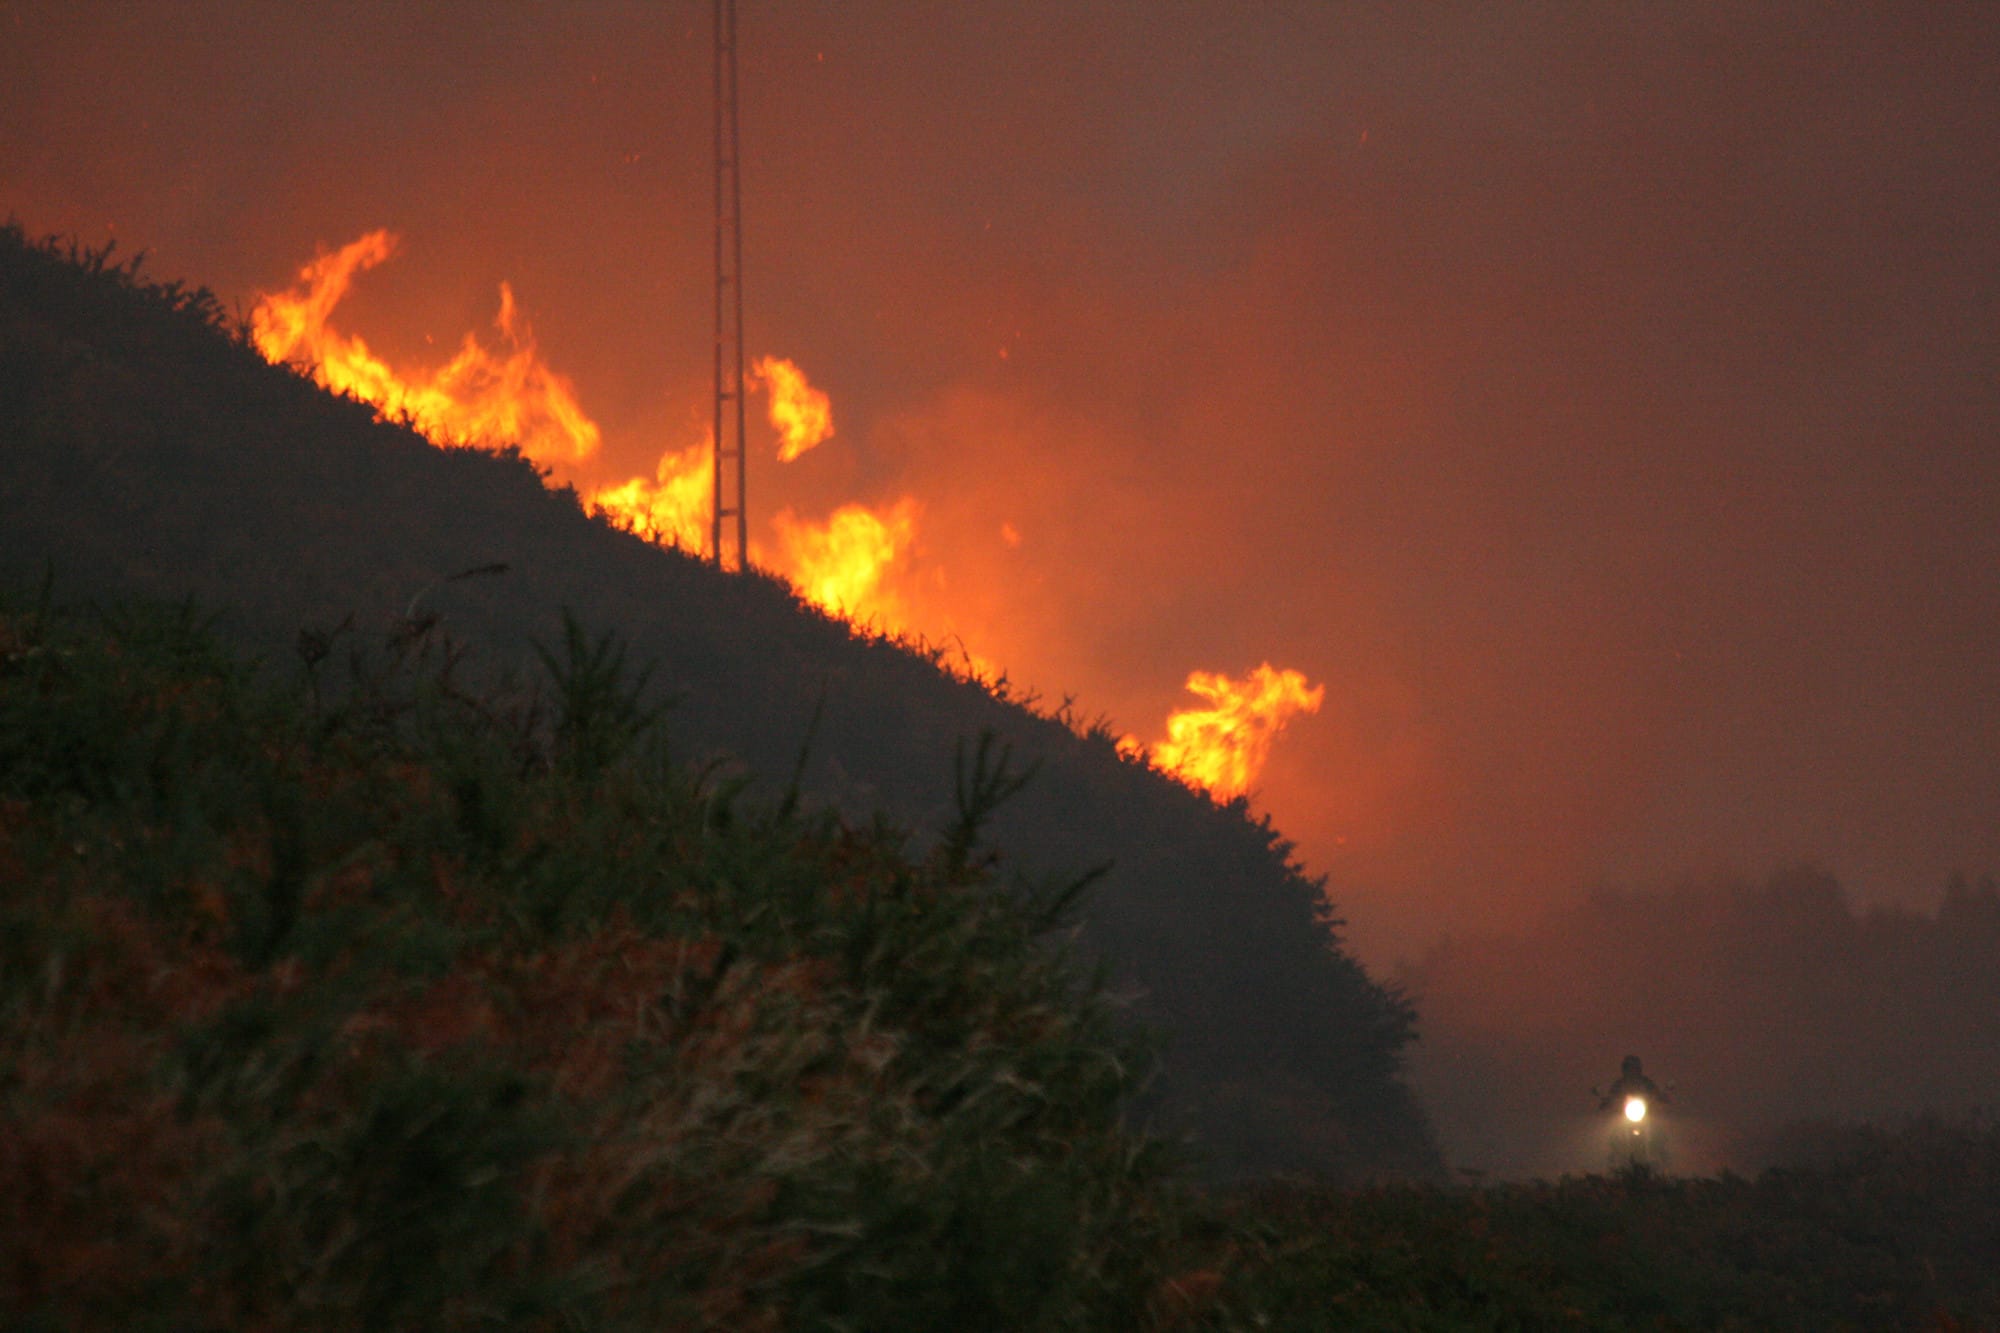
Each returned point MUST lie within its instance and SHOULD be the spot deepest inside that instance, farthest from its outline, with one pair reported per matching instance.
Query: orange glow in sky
(848, 563)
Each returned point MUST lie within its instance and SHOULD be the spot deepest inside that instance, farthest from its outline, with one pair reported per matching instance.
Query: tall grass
(394, 1006)
(1898, 1228)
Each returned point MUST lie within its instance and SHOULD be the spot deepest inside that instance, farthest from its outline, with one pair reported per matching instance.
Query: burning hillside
(851, 564)
(160, 457)
(1223, 747)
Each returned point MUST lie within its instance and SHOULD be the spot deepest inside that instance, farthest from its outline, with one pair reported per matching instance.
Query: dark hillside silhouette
(146, 450)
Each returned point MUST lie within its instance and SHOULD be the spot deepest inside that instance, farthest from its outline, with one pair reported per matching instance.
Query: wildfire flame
(1223, 747)
(673, 508)
(840, 564)
(801, 414)
(480, 397)
(492, 397)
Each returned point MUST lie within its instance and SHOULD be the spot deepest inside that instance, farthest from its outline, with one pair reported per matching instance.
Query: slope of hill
(429, 1008)
(433, 1009)
(145, 449)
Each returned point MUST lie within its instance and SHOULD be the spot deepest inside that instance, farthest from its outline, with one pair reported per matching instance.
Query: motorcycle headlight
(1635, 1109)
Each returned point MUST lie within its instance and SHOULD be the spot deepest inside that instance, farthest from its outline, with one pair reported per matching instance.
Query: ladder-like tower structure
(729, 455)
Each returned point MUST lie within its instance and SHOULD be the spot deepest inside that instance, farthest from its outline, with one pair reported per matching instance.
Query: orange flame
(670, 510)
(840, 565)
(801, 414)
(1223, 747)
(846, 565)
(673, 508)
(479, 397)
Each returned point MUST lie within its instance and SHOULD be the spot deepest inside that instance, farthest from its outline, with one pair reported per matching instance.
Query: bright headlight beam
(1635, 1109)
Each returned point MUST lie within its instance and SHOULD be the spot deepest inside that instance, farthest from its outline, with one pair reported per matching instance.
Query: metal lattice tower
(729, 451)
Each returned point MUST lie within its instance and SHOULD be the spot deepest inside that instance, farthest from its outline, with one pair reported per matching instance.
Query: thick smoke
(1599, 402)
(1769, 1006)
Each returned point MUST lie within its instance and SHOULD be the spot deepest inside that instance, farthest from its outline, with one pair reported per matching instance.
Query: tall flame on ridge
(801, 414)
(494, 397)
(670, 510)
(480, 397)
(840, 565)
(1223, 747)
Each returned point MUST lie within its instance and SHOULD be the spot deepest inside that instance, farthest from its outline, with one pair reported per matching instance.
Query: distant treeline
(1767, 1004)
(146, 449)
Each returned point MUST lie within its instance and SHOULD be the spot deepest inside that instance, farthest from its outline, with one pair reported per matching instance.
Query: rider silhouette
(1632, 1082)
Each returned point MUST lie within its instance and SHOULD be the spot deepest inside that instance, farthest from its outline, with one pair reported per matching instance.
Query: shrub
(393, 1006)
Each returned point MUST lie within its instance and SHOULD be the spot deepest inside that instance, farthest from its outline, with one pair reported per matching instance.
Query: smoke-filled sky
(1601, 401)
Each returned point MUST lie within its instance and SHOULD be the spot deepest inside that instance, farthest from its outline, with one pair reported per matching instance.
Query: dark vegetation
(1889, 1229)
(442, 970)
(146, 449)
(430, 1008)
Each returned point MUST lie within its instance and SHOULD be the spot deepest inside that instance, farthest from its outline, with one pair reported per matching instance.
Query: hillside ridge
(146, 449)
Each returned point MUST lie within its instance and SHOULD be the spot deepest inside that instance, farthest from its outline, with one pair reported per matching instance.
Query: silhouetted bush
(423, 1010)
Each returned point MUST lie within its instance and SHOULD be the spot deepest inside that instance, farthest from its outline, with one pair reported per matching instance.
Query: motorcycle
(1638, 1140)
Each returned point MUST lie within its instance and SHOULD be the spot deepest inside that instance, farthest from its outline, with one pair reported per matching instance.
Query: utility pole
(729, 451)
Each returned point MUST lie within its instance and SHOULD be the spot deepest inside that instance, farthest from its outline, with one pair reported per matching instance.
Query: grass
(371, 1001)
(1897, 1231)
(417, 1009)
